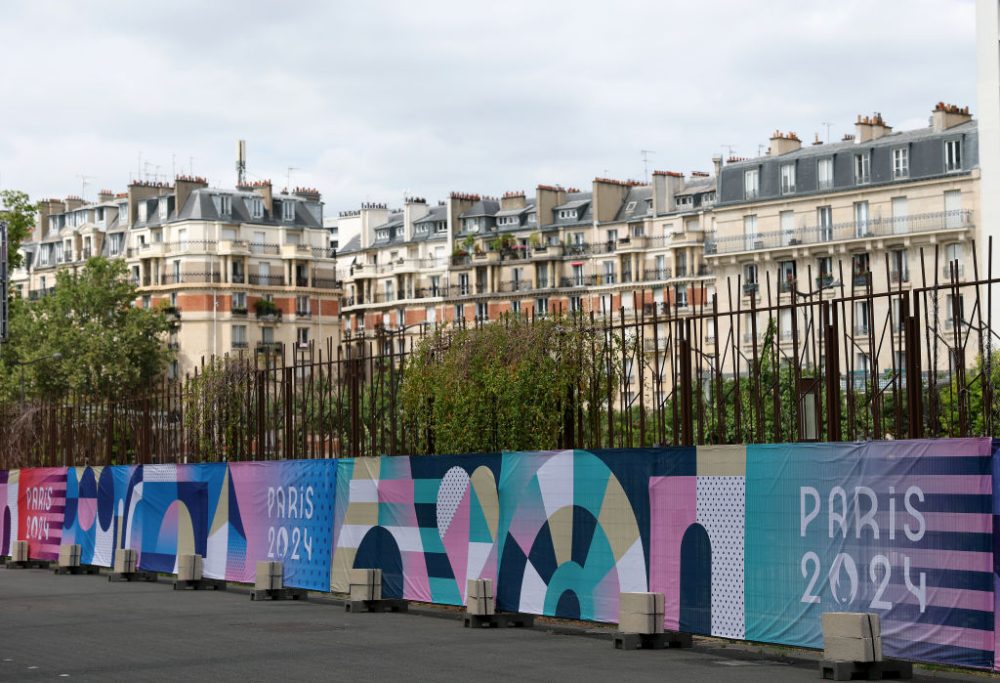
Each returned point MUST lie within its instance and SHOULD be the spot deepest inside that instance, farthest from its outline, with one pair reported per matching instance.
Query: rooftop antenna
(83, 184)
(288, 178)
(645, 163)
(191, 166)
(828, 126)
(730, 149)
(241, 162)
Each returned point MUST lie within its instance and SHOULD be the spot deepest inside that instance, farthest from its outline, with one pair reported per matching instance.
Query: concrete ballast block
(126, 561)
(20, 551)
(190, 567)
(270, 575)
(365, 584)
(841, 649)
(640, 623)
(851, 625)
(69, 555)
(481, 605)
(479, 588)
(640, 603)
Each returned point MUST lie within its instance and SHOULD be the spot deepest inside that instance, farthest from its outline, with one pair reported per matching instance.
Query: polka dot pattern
(721, 511)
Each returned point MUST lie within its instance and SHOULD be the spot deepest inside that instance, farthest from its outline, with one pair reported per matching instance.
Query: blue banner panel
(900, 528)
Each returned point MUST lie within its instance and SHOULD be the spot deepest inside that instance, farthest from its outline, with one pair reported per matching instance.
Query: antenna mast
(241, 162)
(645, 163)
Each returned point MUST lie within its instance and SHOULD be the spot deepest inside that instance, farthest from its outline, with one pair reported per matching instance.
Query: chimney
(783, 143)
(548, 197)
(266, 192)
(183, 187)
(666, 185)
(371, 215)
(310, 194)
(414, 208)
(870, 128)
(717, 165)
(608, 197)
(73, 202)
(46, 208)
(513, 200)
(816, 140)
(105, 196)
(947, 116)
(140, 190)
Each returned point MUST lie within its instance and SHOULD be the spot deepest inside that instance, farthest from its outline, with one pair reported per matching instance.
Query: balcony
(633, 243)
(303, 313)
(657, 274)
(296, 251)
(327, 283)
(267, 280)
(609, 247)
(576, 249)
(430, 292)
(841, 232)
(861, 278)
(825, 280)
(269, 347)
(239, 344)
(189, 278)
(547, 251)
(262, 248)
(234, 248)
(515, 253)
(267, 311)
(898, 276)
(750, 288)
(461, 261)
(238, 311)
(515, 286)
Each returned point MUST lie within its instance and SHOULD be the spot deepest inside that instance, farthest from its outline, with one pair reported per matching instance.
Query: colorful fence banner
(279, 511)
(574, 529)
(745, 542)
(41, 503)
(8, 510)
(429, 523)
(170, 516)
(96, 500)
(903, 529)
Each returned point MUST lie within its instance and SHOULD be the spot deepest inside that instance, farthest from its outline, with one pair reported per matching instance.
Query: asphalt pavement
(85, 628)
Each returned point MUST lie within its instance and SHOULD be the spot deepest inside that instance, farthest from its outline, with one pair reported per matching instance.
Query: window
(861, 227)
(267, 335)
(576, 304)
(463, 284)
(786, 275)
(785, 323)
(901, 163)
(239, 301)
(146, 301)
(182, 239)
(824, 221)
(542, 276)
(824, 174)
(861, 365)
(897, 315)
(302, 304)
(787, 178)
(578, 275)
(515, 307)
(787, 221)
(661, 267)
(459, 312)
(682, 269)
(143, 208)
(389, 290)
(954, 310)
(288, 210)
(899, 266)
(630, 207)
(861, 311)
(482, 311)
(175, 268)
(223, 204)
(256, 207)
(682, 297)
(824, 265)
(751, 183)
(116, 242)
(532, 217)
(750, 274)
(900, 215)
(750, 232)
(953, 209)
(302, 336)
(542, 306)
(953, 155)
(122, 214)
(609, 272)
(862, 168)
(568, 214)
(239, 336)
(163, 208)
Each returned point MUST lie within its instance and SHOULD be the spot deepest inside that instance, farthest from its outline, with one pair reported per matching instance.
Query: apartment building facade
(606, 251)
(242, 270)
(877, 209)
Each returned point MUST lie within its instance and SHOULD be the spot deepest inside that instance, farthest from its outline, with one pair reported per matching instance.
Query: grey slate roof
(484, 207)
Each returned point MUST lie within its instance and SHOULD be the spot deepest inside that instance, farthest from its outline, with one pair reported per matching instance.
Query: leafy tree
(86, 338)
(950, 396)
(19, 214)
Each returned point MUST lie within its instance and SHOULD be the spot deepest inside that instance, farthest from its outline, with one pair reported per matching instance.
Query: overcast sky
(367, 100)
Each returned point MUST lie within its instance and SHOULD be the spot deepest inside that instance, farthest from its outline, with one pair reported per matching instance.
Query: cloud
(366, 100)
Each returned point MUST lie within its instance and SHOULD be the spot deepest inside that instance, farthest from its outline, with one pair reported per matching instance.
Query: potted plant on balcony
(536, 242)
(267, 310)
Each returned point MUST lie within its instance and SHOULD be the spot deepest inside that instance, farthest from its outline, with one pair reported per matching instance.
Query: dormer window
(532, 217)
(256, 207)
(751, 183)
(223, 204)
(288, 211)
(787, 178)
(162, 208)
(440, 226)
(686, 200)
(143, 208)
(567, 214)
(630, 207)
(123, 213)
(953, 155)
(472, 225)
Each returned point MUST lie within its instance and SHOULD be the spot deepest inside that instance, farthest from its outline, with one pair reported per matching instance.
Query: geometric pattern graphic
(429, 523)
(745, 542)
